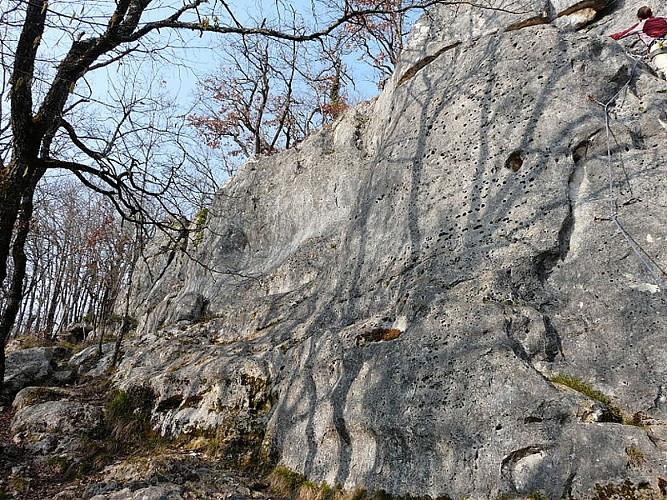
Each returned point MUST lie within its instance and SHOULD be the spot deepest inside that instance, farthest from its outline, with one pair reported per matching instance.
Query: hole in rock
(514, 161)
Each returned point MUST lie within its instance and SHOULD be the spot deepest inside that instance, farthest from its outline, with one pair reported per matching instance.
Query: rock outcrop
(455, 290)
(51, 420)
(33, 366)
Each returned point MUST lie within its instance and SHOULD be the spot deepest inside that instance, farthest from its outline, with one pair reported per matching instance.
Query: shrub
(285, 482)
(626, 491)
(636, 456)
(201, 218)
(128, 415)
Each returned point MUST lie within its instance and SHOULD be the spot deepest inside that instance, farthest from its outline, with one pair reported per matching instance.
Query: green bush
(288, 484)
(518, 496)
(285, 482)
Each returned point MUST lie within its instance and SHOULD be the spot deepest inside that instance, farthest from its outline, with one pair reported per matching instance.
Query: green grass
(201, 218)
(637, 420)
(636, 457)
(59, 463)
(125, 429)
(127, 416)
(583, 388)
(518, 496)
(286, 483)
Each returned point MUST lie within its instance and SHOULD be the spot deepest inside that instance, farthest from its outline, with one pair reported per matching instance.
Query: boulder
(188, 306)
(30, 396)
(576, 20)
(159, 492)
(171, 475)
(76, 332)
(26, 367)
(89, 362)
(55, 426)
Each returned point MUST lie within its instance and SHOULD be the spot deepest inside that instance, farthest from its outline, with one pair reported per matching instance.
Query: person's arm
(635, 28)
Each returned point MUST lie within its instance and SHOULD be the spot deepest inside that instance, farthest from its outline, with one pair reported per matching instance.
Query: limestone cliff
(455, 290)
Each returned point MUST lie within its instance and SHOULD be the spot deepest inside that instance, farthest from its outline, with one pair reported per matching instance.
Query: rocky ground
(168, 472)
(84, 440)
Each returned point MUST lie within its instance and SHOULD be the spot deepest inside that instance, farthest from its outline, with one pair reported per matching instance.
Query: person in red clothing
(648, 28)
(652, 31)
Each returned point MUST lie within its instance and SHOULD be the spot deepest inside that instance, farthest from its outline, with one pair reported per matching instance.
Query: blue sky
(173, 71)
(198, 57)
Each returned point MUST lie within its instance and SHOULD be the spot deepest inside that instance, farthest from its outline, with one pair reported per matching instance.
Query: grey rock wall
(390, 303)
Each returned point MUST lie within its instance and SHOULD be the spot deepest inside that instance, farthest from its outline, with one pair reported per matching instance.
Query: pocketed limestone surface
(456, 289)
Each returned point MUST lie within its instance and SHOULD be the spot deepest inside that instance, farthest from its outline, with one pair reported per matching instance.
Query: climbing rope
(652, 267)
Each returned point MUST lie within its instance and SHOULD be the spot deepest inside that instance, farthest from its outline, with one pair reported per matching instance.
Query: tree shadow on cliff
(429, 268)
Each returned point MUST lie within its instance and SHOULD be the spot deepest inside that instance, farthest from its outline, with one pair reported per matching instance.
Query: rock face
(453, 291)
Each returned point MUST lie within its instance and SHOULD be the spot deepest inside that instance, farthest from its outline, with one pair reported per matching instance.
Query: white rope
(649, 264)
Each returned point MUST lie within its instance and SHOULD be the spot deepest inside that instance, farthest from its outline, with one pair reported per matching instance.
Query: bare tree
(268, 95)
(77, 259)
(56, 120)
(380, 35)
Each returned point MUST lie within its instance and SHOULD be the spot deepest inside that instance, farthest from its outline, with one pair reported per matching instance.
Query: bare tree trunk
(12, 299)
(27, 316)
(51, 315)
(125, 323)
(101, 322)
(22, 311)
